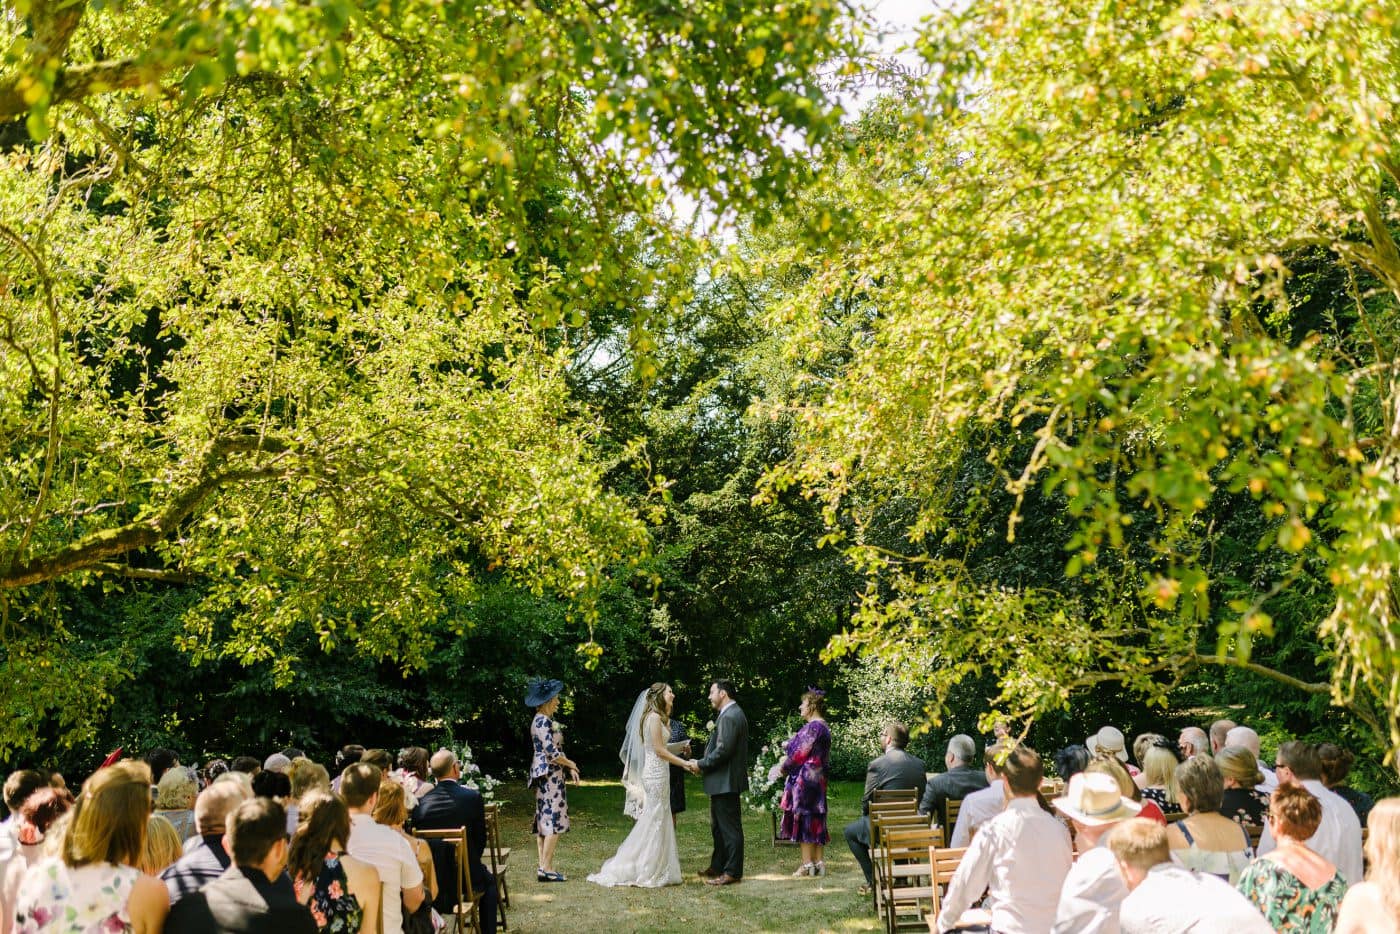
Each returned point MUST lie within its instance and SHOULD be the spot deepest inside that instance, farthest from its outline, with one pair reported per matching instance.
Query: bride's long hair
(656, 703)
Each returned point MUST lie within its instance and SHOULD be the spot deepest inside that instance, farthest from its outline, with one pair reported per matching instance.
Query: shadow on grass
(768, 900)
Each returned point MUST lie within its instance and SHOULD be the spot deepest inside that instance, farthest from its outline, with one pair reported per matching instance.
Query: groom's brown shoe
(707, 873)
(725, 879)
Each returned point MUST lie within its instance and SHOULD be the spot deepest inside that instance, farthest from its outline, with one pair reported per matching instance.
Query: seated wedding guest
(293, 753)
(1159, 774)
(961, 779)
(1193, 742)
(1373, 906)
(163, 846)
(1338, 836)
(1219, 730)
(175, 793)
(1164, 898)
(18, 786)
(893, 769)
(448, 806)
(1296, 889)
(349, 754)
(1070, 761)
(1020, 858)
(39, 813)
(1144, 742)
(206, 861)
(412, 772)
(303, 776)
(1205, 839)
(1108, 741)
(269, 783)
(161, 760)
(981, 806)
(94, 884)
(1242, 802)
(276, 762)
(213, 769)
(380, 759)
(400, 879)
(1093, 890)
(255, 894)
(341, 891)
(1336, 766)
(247, 765)
(392, 810)
(1107, 765)
(1246, 738)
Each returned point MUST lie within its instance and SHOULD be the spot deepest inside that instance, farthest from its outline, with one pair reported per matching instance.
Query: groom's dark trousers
(727, 828)
(725, 768)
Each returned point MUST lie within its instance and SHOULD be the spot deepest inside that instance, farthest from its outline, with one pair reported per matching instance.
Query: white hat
(1107, 740)
(1094, 798)
(276, 763)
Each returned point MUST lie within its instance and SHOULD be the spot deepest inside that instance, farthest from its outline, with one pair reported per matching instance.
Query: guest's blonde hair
(1383, 852)
(392, 807)
(176, 789)
(163, 845)
(306, 775)
(108, 823)
(1140, 843)
(1239, 763)
(1159, 765)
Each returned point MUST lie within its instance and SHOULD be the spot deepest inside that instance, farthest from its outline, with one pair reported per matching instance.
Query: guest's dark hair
(323, 826)
(20, 785)
(214, 768)
(1023, 771)
(271, 785)
(245, 764)
(160, 760)
(349, 754)
(1071, 760)
(254, 828)
(379, 758)
(45, 806)
(898, 733)
(1300, 758)
(725, 685)
(1336, 762)
(359, 783)
(291, 752)
(414, 760)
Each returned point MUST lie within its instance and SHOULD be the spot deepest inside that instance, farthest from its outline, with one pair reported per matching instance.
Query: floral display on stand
(472, 776)
(765, 785)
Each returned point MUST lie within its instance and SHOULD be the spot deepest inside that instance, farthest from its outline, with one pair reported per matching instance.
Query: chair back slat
(453, 843)
(881, 795)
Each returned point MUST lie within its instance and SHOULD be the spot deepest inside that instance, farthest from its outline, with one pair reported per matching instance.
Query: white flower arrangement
(472, 776)
(766, 793)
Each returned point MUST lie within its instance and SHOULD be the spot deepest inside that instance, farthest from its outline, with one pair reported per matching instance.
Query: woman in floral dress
(1295, 888)
(804, 793)
(548, 769)
(94, 885)
(342, 892)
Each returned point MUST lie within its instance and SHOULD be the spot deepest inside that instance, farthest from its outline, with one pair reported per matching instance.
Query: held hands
(692, 766)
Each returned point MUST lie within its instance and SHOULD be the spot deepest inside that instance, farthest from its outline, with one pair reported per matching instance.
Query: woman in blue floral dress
(804, 794)
(548, 769)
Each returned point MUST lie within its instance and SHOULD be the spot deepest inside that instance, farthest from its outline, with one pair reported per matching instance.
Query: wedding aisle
(768, 900)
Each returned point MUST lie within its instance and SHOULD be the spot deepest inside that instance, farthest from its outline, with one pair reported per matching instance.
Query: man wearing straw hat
(1094, 888)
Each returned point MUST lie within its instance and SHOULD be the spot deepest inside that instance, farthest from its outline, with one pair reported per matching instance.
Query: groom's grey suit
(725, 767)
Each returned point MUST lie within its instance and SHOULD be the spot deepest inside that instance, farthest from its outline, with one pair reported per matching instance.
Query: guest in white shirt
(1193, 742)
(1246, 738)
(981, 806)
(1164, 898)
(1094, 889)
(1338, 837)
(382, 847)
(1021, 857)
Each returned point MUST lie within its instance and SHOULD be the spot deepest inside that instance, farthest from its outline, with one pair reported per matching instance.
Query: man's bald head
(443, 764)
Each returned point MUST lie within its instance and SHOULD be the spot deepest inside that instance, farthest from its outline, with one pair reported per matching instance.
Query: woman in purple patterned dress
(804, 794)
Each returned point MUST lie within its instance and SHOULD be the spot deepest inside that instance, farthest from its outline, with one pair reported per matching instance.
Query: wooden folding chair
(907, 894)
(880, 820)
(944, 863)
(466, 907)
(951, 808)
(499, 856)
(1254, 831)
(881, 795)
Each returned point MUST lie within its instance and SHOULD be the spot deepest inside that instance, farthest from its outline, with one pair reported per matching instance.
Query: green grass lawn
(768, 900)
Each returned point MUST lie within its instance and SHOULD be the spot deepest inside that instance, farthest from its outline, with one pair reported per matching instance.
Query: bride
(648, 856)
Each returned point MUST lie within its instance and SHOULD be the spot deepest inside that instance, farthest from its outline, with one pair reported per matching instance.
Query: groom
(725, 770)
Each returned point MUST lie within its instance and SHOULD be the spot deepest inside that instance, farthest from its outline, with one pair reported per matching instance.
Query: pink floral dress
(55, 898)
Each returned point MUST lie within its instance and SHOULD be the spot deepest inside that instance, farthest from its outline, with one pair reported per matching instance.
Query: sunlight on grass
(769, 899)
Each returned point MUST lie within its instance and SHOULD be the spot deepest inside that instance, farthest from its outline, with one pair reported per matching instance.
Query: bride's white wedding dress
(648, 857)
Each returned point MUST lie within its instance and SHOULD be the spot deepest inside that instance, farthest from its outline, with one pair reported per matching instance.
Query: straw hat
(1094, 798)
(1107, 740)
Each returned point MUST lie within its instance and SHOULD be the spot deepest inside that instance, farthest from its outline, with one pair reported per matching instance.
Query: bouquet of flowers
(472, 776)
(765, 793)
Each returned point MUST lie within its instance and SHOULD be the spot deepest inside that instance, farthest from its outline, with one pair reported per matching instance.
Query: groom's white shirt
(727, 704)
